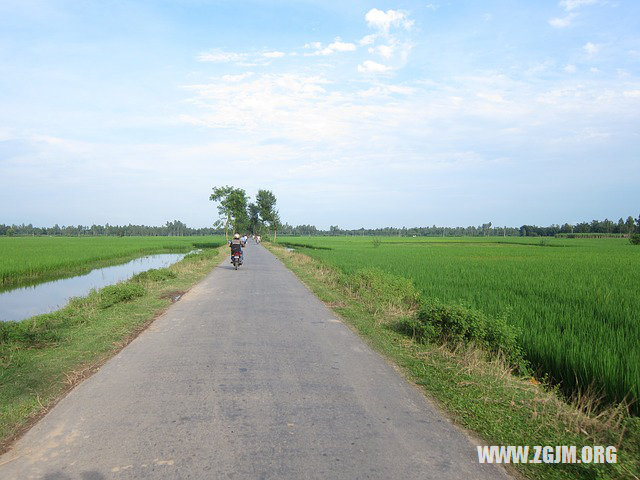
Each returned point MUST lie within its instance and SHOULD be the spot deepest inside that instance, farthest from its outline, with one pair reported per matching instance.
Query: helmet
(237, 235)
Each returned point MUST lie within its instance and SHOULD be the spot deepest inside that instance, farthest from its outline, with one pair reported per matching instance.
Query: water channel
(25, 302)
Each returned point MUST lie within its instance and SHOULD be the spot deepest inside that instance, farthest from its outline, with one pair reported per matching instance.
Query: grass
(41, 358)
(476, 389)
(574, 301)
(29, 260)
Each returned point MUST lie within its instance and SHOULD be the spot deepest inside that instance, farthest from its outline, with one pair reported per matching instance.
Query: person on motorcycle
(236, 246)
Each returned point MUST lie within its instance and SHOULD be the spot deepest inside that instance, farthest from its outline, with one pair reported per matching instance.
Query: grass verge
(477, 391)
(43, 357)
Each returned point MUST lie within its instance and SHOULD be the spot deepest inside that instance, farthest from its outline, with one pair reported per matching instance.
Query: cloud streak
(383, 21)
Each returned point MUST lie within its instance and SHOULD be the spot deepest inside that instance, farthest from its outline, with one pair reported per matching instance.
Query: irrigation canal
(24, 302)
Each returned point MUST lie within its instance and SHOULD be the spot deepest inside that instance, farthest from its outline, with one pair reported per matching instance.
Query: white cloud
(570, 68)
(632, 93)
(237, 78)
(561, 22)
(591, 48)
(273, 54)
(385, 51)
(570, 5)
(337, 46)
(220, 56)
(314, 45)
(381, 20)
(369, 66)
(384, 90)
(368, 39)
(269, 104)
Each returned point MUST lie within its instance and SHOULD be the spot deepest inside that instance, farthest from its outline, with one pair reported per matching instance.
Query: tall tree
(266, 202)
(254, 218)
(630, 224)
(232, 207)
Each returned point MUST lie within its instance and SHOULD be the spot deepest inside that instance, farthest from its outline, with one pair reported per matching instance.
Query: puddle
(25, 302)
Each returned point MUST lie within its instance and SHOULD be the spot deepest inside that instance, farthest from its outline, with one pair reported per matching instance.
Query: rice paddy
(25, 260)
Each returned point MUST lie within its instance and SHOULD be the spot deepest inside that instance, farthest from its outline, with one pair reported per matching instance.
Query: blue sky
(353, 113)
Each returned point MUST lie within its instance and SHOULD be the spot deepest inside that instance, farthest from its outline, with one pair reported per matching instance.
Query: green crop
(575, 301)
(26, 260)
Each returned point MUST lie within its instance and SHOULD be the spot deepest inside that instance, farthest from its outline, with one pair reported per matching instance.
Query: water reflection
(25, 302)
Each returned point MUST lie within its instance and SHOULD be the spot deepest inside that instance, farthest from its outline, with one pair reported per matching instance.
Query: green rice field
(27, 260)
(576, 302)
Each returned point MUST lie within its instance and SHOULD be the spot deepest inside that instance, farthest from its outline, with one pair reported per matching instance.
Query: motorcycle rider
(236, 246)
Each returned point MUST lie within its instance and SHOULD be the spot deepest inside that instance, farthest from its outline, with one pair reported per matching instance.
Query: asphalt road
(248, 376)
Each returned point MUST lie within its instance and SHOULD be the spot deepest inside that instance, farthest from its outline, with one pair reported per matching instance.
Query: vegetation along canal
(25, 302)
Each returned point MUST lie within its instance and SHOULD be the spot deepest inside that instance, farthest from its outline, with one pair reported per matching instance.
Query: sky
(358, 113)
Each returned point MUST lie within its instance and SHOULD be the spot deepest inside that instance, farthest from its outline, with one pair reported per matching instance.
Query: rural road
(248, 376)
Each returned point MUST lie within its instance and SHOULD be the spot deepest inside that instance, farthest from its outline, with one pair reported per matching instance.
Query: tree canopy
(232, 207)
(266, 203)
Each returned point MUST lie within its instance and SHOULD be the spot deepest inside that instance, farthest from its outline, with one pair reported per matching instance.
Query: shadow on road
(229, 267)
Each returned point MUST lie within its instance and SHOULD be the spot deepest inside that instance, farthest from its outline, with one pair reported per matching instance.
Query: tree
(232, 207)
(266, 203)
(254, 218)
(630, 224)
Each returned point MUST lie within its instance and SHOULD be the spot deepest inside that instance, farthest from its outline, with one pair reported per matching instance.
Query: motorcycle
(236, 259)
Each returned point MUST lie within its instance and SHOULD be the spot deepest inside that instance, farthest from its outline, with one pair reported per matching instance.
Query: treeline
(262, 214)
(485, 229)
(596, 228)
(170, 229)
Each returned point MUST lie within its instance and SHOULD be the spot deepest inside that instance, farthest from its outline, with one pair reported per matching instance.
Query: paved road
(248, 376)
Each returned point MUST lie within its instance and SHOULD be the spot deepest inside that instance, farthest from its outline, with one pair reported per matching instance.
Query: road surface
(248, 376)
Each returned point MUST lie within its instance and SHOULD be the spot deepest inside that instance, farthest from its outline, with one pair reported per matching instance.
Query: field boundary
(478, 394)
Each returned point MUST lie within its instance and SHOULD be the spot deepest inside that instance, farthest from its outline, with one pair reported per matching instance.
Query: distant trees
(232, 207)
(596, 227)
(262, 215)
(235, 210)
(266, 203)
(175, 228)
(254, 218)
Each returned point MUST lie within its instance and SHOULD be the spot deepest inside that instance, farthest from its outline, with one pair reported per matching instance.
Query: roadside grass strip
(43, 357)
(468, 362)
